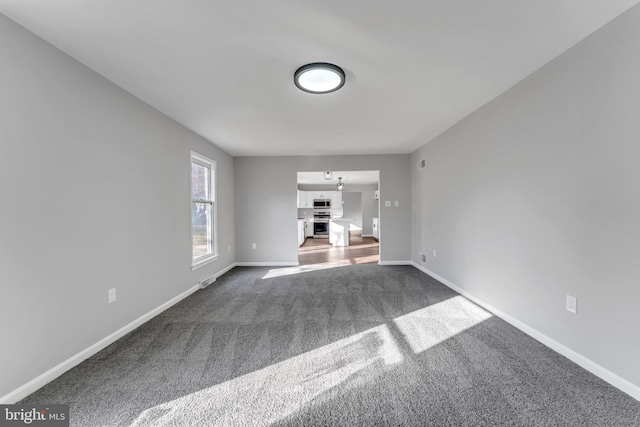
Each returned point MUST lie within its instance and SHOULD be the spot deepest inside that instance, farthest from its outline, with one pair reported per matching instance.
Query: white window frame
(211, 165)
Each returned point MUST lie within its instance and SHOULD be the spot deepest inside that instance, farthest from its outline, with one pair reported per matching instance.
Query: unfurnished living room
(415, 213)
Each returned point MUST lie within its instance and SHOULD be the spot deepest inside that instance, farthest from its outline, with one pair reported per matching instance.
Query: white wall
(94, 194)
(369, 207)
(352, 209)
(266, 211)
(537, 195)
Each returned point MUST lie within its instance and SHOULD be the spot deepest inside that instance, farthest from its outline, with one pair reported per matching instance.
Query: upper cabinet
(306, 198)
(324, 195)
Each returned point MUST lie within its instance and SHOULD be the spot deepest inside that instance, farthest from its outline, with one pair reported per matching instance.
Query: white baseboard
(266, 264)
(224, 270)
(395, 263)
(208, 281)
(598, 370)
(56, 371)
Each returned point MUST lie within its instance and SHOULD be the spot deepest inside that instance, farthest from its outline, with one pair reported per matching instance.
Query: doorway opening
(338, 227)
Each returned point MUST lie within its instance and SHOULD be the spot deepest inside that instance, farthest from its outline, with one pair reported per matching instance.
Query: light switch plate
(387, 203)
(572, 304)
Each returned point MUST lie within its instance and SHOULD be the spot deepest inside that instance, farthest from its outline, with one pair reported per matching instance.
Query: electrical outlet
(112, 295)
(396, 203)
(423, 257)
(435, 254)
(254, 246)
(572, 304)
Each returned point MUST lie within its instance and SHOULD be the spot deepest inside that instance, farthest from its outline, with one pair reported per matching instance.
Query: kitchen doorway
(338, 227)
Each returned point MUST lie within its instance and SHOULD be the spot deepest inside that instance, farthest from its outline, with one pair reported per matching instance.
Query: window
(203, 210)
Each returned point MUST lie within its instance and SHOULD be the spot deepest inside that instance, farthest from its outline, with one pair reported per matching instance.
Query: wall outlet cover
(112, 295)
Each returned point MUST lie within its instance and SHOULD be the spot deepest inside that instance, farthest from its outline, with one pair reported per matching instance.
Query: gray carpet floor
(346, 346)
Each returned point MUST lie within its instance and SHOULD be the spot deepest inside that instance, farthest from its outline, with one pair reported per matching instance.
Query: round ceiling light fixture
(319, 77)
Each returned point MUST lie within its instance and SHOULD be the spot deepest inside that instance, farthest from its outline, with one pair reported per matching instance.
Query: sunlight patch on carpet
(277, 391)
(288, 271)
(430, 326)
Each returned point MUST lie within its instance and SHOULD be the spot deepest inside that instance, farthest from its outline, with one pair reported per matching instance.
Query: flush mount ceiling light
(340, 185)
(327, 175)
(319, 77)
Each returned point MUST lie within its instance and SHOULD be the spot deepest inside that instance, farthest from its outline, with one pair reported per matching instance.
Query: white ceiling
(348, 177)
(224, 69)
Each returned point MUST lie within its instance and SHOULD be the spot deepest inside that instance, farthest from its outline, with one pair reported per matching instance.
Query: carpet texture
(344, 346)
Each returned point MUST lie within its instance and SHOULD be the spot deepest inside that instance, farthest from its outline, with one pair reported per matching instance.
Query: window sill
(203, 261)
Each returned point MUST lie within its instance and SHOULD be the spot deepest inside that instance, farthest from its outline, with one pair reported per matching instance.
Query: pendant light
(340, 185)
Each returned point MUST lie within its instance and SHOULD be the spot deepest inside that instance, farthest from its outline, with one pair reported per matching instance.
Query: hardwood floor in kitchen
(362, 250)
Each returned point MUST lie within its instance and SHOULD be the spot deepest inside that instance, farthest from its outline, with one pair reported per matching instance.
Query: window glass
(203, 209)
(200, 181)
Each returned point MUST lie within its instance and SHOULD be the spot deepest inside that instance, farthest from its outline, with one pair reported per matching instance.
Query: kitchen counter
(339, 232)
(301, 231)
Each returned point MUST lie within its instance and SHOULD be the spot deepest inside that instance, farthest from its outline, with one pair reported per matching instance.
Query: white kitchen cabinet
(308, 228)
(314, 195)
(376, 234)
(305, 199)
(321, 194)
(301, 232)
(334, 196)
